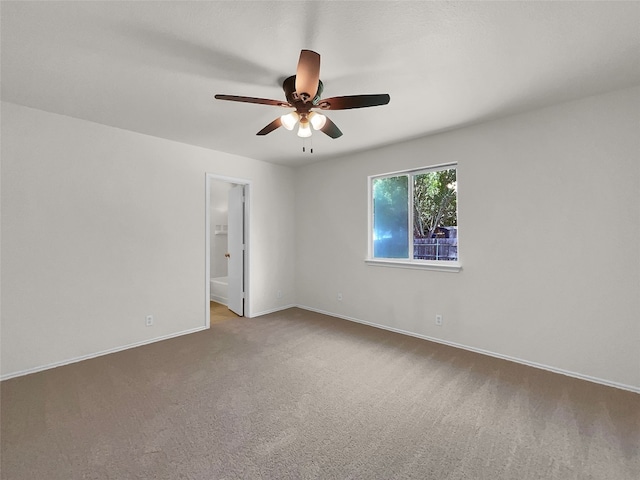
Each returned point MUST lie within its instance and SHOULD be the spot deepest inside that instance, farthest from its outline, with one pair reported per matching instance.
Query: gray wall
(560, 180)
(102, 226)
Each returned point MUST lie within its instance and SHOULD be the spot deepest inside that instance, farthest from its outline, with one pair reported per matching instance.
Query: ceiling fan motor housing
(293, 97)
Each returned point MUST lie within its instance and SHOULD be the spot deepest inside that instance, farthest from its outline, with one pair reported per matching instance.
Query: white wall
(102, 226)
(560, 287)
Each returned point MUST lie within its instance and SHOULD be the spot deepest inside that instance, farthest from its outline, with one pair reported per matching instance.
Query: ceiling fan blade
(353, 101)
(262, 101)
(331, 129)
(271, 127)
(308, 75)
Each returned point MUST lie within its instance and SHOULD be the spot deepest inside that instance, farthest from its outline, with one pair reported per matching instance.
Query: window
(414, 218)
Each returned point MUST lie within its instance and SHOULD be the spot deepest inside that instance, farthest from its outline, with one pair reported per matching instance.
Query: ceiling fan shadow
(174, 53)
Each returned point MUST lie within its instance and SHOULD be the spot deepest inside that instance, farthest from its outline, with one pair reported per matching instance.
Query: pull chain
(304, 145)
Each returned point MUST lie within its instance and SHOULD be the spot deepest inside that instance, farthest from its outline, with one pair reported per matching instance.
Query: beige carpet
(298, 395)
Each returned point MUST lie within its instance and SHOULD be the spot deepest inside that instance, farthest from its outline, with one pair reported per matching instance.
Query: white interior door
(235, 255)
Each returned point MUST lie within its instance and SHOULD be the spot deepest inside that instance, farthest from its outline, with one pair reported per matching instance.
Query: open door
(236, 250)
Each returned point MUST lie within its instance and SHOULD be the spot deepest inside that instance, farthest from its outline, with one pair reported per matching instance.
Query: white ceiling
(154, 67)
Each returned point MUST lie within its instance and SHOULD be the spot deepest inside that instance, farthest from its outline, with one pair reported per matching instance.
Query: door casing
(247, 241)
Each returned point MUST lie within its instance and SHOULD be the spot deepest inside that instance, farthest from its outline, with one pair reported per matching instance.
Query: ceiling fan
(302, 92)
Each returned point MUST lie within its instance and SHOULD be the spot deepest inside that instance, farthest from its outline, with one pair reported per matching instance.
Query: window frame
(410, 262)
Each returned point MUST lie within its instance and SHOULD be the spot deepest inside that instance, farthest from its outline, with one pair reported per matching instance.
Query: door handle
(228, 255)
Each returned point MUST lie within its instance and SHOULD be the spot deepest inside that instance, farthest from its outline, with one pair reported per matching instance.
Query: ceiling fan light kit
(303, 91)
(304, 130)
(317, 120)
(289, 120)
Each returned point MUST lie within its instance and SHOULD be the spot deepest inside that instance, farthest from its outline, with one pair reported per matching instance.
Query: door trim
(247, 241)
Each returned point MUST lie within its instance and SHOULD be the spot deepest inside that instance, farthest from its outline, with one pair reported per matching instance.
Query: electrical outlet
(149, 321)
(439, 320)
(279, 293)
(339, 297)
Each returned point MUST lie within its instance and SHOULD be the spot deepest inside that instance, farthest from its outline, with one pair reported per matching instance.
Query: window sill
(453, 267)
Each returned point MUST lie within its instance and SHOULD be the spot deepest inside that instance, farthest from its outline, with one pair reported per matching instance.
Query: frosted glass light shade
(304, 130)
(317, 120)
(289, 120)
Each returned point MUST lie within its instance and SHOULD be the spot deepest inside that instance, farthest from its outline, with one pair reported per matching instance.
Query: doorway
(227, 248)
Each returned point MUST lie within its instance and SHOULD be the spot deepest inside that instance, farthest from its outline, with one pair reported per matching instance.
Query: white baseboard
(568, 373)
(218, 299)
(273, 310)
(98, 354)
(541, 366)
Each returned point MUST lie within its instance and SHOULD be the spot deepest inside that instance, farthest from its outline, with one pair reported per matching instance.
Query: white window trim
(414, 264)
(408, 263)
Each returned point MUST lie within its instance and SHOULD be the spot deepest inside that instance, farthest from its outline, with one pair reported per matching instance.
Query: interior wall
(219, 217)
(102, 226)
(549, 214)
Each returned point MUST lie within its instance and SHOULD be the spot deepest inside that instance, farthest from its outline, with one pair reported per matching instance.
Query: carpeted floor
(298, 395)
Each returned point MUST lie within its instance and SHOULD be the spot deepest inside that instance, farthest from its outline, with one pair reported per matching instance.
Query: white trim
(99, 354)
(369, 217)
(247, 250)
(408, 263)
(410, 217)
(540, 366)
(207, 249)
(273, 310)
(217, 299)
(440, 266)
(432, 168)
(224, 178)
(248, 190)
